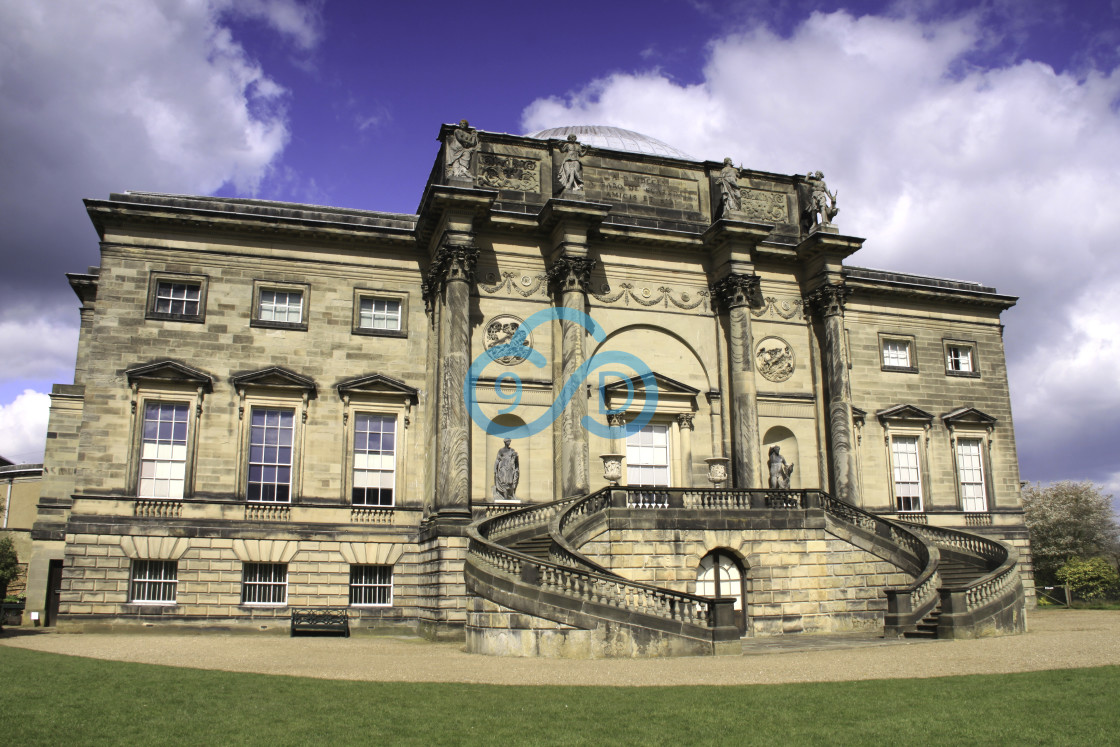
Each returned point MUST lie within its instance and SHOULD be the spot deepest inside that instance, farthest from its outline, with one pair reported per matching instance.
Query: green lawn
(52, 699)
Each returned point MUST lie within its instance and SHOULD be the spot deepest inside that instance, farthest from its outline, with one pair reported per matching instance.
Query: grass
(51, 699)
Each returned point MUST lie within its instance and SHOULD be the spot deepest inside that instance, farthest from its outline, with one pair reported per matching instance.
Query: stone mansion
(717, 426)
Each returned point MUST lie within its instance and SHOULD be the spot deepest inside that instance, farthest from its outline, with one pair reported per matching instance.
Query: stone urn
(612, 468)
(717, 470)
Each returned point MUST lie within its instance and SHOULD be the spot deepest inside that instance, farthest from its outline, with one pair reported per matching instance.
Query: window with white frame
(264, 583)
(371, 585)
(379, 313)
(282, 306)
(375, 460)
(177, 298)
(960, 359)
(271, 433)
(907, 473)
(154, 581)
(896, 353)
(163, 450)
(647, 456)
(970, 472)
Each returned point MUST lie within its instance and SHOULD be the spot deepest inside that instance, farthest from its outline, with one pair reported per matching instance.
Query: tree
(1068, 520)
(9, 565)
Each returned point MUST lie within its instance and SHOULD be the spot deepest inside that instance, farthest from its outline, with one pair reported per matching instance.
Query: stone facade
(752, 328)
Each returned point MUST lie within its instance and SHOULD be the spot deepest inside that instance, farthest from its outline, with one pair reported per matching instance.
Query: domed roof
(615, 138)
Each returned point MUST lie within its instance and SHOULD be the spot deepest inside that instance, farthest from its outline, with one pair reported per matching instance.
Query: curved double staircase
(525, 568)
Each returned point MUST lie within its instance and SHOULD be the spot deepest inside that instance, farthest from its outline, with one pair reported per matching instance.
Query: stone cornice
(930, 293)
(244, 219)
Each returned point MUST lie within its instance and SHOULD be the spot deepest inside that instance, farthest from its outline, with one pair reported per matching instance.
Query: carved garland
(786, 308)
(627, 294)
(538, 283)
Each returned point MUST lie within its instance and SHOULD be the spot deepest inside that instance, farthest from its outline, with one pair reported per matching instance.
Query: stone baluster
(828, 302)
(735, 293)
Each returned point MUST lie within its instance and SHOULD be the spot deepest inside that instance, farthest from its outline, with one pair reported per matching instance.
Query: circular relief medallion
(774, 358)
(499, 333)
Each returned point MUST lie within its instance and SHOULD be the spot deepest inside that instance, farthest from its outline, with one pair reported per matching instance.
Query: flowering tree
(1068, 520)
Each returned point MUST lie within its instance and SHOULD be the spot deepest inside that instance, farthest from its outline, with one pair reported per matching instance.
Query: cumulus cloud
(992, 173)
(39, 348)
(23, 427)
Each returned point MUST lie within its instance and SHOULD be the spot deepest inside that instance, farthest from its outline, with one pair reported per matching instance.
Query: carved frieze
(646, 297)
(500, 331)
(498, 171)
(764, 205)
(737, 290)
(780, 308)
(508, 283)
(774, 359)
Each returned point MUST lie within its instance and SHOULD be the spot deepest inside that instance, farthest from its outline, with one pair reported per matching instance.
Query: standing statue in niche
(780, 470)
(460, 147)
(729, 189)
(507, 472)
(571, 169)
(820, 201)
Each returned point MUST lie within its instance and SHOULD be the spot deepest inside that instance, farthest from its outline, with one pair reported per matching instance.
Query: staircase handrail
(991, 585)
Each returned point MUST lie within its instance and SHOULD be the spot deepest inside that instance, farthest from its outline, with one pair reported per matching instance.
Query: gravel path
(1058, 639)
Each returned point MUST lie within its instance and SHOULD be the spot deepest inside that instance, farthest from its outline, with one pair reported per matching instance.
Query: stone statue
(821, 202)
(571, 169)
(780, 470)
(729, 189)
(460, 147)
(507, 472)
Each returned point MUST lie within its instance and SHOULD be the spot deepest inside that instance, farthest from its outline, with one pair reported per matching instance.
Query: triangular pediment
(904, 412)
(968, 416)
(858, 415)
(665, 385)
(375, 384)
(273, 377)
(169, 372)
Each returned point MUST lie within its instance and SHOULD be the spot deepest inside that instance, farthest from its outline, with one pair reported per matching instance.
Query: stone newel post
(734, 294)
(828, 301)
(571, 276)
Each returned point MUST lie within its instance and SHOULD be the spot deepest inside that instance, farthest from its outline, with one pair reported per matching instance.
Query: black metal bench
(321, 620)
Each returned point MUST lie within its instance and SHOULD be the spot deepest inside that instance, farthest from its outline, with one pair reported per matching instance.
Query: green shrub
(1089, 578)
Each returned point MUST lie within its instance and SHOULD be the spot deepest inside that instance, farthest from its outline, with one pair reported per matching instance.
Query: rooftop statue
(819, 206)
(460, 147)
(729, 189)
(571, 170)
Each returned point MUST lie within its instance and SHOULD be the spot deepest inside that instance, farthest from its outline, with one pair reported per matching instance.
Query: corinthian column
(734, 294)
(828, 302)
(449, 277)
(571, 276)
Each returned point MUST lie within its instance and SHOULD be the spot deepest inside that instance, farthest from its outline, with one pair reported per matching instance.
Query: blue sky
(969, 140)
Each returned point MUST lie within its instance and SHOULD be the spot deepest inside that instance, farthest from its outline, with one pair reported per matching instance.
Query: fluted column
(449, 278)
(735, 294)
(828, 302)
(684, 424)
(571, 276)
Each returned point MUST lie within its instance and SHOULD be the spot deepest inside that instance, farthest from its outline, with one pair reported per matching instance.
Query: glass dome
(615, 138)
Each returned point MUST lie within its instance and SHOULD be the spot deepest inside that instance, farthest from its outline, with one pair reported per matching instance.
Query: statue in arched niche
(507, 473)
(780, 470)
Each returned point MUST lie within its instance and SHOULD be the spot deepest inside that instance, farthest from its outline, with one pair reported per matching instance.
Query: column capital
(829, 299)
(737, 290)
(616, 419)
(454, 261)
(684, 420)
(570, 273)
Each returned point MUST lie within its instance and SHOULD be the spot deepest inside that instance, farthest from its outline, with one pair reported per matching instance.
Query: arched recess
(722, 574)
(786, 442)
(662, 350)
(494, 443)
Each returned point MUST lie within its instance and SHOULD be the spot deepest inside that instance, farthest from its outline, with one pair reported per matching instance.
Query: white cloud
(23, 427)
(1002, 175)
(38, 348)
(300, 21)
